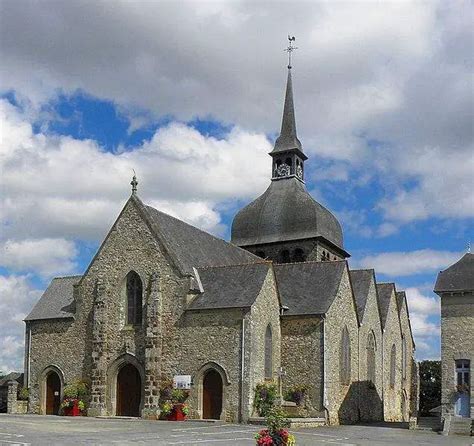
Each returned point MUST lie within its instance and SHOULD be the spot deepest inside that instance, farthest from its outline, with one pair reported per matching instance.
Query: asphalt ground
(38, 430)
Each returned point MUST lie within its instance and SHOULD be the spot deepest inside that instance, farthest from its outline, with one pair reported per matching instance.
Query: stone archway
(125, 386)
(128, 391)
(51, 392)
(212, 382)
(212, 395)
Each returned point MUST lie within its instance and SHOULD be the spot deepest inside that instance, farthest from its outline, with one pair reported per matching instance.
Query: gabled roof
(402, 301)
(384, 294)
(308, 287)
(189, 246)
(230, 286)
(458, 277)
(57, 301)
(360, 280)
(12, 376)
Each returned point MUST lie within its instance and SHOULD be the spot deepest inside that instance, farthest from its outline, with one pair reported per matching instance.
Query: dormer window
(134, 298)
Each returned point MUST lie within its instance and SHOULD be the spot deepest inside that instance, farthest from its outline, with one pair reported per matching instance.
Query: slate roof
(360, 280)
(458, 277)
(285, 211)
(57, 301)
(12, 376)
(384, 293)
(192, 247)
(308, 287)
(230, 286)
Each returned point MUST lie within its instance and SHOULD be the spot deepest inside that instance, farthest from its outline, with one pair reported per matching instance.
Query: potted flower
(296, 394)
(265, 396)
(172, 403)
(73, 403)
(276, 432)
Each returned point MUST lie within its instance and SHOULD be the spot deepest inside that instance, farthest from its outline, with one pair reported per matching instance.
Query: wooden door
(53, 393)
(212, 396)
(128, 391)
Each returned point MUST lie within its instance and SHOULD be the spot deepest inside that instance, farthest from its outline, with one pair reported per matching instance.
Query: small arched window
(393, 358)
(345, 358)
(298, 255)
(285, 256)
(371, 357)
(268, 353)
(404, 358)
(134, 298)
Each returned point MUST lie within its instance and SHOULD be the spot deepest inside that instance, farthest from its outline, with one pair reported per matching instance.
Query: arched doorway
(129, 391)
(53, 393)
(212, 395)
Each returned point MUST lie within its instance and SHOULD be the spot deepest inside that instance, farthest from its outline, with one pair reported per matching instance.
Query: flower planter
(177, 413)
(72, 411)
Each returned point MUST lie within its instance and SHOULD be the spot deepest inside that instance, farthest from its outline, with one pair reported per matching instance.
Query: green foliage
(276, 420)
(430, 386)
(23, 394)
(75, 389)
(179, 395)
(265, 396)
(296, 394)
(166, 407)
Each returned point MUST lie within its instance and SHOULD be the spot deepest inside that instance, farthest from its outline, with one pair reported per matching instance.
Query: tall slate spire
(288, 139)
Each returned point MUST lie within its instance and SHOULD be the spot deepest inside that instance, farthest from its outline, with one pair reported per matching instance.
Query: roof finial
(134, 183)
(469, 247)
(290, 49)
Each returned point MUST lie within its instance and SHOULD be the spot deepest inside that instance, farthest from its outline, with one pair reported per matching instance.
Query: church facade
(162, 299)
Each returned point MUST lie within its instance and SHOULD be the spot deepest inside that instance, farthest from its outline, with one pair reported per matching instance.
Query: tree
(430, 386)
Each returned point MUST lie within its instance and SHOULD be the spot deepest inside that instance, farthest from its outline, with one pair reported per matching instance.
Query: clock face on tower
(283, 170)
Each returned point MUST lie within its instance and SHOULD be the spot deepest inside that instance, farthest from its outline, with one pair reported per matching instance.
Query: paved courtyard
(23, 430)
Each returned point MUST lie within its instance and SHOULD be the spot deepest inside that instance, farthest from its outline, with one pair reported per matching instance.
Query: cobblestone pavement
(37, 430)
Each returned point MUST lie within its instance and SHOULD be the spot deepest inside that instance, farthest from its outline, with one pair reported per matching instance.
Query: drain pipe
(242, 371)
(325, 391)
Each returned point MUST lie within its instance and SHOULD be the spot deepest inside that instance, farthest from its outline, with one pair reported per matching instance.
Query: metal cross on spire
(290, 49)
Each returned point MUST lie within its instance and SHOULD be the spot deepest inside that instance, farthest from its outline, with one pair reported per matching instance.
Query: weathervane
(290, 49)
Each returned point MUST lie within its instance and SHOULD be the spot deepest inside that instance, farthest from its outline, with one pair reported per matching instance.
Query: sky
(190, 96)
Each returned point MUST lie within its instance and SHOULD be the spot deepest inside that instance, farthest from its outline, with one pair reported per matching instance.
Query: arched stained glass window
(371, 357)
(134, 298)
(393, 358)
(345, 358)
(268, 353)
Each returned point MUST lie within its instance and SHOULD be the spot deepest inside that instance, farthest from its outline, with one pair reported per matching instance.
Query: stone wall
(264, 312)
(341, 399)
(57, 345)
(407, 380)
(302, 358)
(391, 336)
(371, 404)
(457, 342)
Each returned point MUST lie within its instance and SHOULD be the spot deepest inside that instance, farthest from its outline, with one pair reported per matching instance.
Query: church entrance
(129, 391)
(53, 393)
(212, 395)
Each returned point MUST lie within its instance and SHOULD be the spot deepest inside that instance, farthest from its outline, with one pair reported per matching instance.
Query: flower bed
(172, 403)
(73, 403)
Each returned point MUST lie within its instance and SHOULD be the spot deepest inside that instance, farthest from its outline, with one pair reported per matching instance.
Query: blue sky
(383, 106)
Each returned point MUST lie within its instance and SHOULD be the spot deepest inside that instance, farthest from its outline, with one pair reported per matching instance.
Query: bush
(179, 395)
(265, 396)
(276, 433)
(296, 394)
(23, 394)
(75, 389)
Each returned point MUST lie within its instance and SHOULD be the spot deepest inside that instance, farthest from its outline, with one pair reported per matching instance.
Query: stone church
(162, 299)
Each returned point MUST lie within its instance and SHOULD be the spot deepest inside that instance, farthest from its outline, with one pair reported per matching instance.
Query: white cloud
(73, 189)
(17, 299)
(45, 257)
(419, 303)
(409, 262)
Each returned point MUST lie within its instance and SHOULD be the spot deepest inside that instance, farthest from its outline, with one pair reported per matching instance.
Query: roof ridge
(310, 262)
(263, 262)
